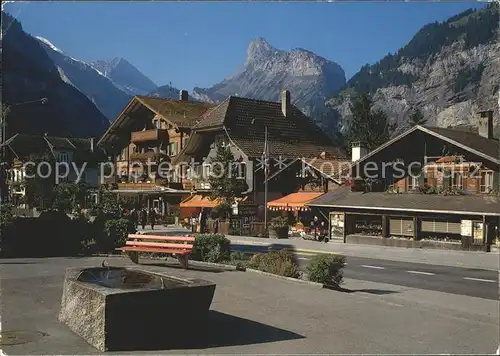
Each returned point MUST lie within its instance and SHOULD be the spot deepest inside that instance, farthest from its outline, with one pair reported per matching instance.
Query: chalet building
(81, 154)
(241, 124)
(142, 142)
(427, 187)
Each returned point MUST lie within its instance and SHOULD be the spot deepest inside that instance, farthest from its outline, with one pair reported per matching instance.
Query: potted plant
(279, 228)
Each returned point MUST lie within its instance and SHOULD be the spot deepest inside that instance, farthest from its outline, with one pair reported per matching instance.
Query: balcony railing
(149, 135)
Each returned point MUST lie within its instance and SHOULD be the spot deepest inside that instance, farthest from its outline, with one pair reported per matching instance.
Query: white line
(376, 267)
(480, 280)
(420, 272)
(302, 258)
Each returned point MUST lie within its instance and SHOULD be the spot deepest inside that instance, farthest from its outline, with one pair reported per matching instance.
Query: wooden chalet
(142, 142)
(240, 123)
(426, 187)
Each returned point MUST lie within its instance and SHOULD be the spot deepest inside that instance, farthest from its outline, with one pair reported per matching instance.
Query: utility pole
(266, 175)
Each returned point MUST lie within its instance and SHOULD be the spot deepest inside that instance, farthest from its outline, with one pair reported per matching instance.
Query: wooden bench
(181, 246)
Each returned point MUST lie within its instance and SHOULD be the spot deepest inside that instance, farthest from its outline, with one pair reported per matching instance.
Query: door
(337, 226)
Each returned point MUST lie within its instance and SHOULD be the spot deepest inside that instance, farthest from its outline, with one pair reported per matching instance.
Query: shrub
(211, 248)
(326, 269)
(276, 262)
(114, 235)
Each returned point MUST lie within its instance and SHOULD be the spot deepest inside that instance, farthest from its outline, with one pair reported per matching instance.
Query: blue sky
(200, 43)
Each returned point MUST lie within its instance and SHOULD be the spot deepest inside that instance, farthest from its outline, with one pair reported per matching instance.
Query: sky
(200, 43)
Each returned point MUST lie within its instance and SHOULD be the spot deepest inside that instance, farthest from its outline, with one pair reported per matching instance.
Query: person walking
(144, 218)
(152, 218)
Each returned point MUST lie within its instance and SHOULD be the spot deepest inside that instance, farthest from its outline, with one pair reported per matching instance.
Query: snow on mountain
(108, 98)
(125, 76)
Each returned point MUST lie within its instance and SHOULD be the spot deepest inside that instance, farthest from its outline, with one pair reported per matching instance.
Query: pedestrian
(152, 218)
(135, 217)
(144, 218)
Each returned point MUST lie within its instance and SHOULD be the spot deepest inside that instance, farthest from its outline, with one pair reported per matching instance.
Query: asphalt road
(455, 280)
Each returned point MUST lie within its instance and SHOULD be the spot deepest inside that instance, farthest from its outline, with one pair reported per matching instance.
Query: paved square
(257, 314)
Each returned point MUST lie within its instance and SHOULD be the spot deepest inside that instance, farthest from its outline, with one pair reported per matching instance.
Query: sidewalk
(464, 259)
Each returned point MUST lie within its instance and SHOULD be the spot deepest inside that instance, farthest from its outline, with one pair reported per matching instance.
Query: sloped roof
(294, 200)
(343, 197)
(181, 113)
(245, 120)
(490, 147)
(470, 141)
(24, 145)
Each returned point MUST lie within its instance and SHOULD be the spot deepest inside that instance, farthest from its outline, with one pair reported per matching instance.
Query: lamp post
(265, 162)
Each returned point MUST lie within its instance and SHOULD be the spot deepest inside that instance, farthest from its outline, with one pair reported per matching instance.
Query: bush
(211, 248)
(326, 269)
(276, 262)
(115, 235)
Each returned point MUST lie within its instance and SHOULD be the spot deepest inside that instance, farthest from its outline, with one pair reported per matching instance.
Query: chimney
(358, 150)
(285, 102)
(91, 144)
(183, 95)
(485, 123)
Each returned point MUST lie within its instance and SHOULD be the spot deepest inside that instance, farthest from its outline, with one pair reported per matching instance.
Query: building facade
(426, 187)
(141, 144)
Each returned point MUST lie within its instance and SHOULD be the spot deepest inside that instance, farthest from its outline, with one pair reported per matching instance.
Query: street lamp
(265, 155)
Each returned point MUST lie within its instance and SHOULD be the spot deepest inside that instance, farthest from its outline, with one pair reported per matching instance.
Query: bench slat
(159, 244)
(152, 249)
(163, 238)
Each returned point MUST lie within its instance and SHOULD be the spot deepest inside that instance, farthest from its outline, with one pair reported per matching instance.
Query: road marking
(420, 272)
(303, 258)
(480, 280)
(376, 267)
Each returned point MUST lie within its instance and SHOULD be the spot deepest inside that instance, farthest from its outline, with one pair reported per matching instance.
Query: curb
(257, 243)
(319, 285)
(235, 268)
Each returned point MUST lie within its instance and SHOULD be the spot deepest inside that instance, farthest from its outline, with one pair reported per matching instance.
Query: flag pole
(266, 170)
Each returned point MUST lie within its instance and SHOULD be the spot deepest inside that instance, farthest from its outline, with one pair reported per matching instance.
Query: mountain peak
(259, 48)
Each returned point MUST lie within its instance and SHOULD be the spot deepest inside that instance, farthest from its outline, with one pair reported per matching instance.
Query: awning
(201, 201)
(293, 201)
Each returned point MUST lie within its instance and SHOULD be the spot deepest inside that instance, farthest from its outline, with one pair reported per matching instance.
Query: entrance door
(337, 226)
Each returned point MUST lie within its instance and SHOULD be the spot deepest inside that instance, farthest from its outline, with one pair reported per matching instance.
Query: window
(206, 171)
(157, 124)
(241, 170)
(457, 180)
(486, 185)
(184, 142)
(63, 157)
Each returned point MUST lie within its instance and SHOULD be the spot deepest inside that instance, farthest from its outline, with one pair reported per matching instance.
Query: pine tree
(226, 178)
(417, 118)
(367, 125)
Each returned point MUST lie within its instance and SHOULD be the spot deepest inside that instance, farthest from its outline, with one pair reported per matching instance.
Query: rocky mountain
(28, 74)
(125, 76)
(108, 98)
(310, 78)
(448, 71)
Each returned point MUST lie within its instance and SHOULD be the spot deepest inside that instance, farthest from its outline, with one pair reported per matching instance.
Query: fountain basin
(115, 308)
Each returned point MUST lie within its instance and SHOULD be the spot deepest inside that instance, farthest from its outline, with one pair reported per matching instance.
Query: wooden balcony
(149, 135)
(129, 186)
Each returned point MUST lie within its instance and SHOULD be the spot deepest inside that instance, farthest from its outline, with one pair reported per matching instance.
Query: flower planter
(278, 233)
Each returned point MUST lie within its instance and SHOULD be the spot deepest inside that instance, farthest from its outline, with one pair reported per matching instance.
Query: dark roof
(293, 136)
(343, 197)
(469, 141)
(24, 145)
(178, 112)
(472, 140)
